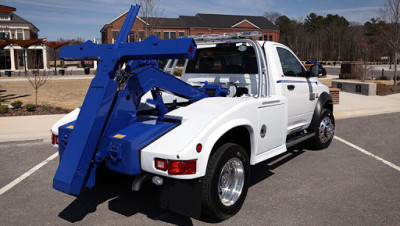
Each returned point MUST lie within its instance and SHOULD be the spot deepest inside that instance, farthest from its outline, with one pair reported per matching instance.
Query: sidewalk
(356, 105)
(351, 105)
(19, 128)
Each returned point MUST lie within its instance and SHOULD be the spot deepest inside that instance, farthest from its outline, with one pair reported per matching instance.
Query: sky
(70, 19)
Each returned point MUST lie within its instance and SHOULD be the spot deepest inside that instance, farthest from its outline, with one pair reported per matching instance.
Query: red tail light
(54, 139)
(177, 167)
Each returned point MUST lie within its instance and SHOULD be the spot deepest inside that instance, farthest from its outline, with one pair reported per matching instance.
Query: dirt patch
(383, 89)
(67, 94)
(40, 110)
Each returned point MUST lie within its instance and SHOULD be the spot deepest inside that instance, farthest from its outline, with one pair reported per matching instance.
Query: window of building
(20, 34)
(290, 65)
(115, 35)
(131, 37)
(141, 35)
(32, 35)
(270, 37)
(166, 35)
(157, 34)
(104, 38)
(181, 33)
(173, 35)
(5, 59)
(5, 17)
(260, 38)
(265, 37)
(4, 33)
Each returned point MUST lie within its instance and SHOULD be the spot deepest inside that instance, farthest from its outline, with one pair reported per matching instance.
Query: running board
(299, 139)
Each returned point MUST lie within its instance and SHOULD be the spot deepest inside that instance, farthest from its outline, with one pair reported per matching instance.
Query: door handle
(290, 87)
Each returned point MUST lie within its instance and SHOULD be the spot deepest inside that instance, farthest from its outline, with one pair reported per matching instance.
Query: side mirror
(314, 70)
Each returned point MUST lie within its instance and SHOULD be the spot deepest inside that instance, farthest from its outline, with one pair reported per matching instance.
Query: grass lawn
(70, 93)
(67, 94)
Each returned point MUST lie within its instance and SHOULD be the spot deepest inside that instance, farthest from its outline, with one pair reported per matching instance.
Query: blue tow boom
(108, 125)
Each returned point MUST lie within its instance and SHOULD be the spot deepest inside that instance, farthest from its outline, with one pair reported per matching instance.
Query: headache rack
(224, 36)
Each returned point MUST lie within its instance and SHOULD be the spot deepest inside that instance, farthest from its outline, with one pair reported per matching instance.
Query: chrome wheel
(231, 181)
(326, 129)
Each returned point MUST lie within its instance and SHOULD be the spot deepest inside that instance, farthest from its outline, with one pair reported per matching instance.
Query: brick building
(13, 26)
(169, 28)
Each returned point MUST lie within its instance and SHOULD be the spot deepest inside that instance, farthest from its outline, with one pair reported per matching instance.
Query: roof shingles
(227, 21)
(15, 19)
(212, 21)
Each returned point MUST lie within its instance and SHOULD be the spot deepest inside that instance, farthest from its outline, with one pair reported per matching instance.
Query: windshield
(224, 59)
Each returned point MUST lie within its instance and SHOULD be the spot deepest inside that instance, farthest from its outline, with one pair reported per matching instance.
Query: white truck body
(281, 110)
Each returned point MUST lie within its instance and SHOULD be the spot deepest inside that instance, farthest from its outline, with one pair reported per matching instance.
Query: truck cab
(239, 65)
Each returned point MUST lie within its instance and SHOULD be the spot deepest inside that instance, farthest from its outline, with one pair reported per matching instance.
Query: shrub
(45, 108)
(58, 108)
(30, 107)
(178, 73)
(383, 77)
(3, 109)
(349, 76)
(381, 89)
(16, 104)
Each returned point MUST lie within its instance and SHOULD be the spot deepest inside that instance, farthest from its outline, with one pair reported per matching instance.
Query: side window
(290, 65)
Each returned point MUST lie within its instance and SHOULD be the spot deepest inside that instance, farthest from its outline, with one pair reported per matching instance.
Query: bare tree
(390, 14)
(37, 78)
(364, 48)
(151, 14)
(272, 16)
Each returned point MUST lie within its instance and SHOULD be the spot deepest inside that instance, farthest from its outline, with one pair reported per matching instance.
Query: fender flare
(223, 129)
(324, 98)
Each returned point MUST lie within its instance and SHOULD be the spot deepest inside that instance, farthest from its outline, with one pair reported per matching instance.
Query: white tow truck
(273, 103)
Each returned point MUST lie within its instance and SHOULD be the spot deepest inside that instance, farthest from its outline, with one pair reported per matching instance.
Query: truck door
(297, 88)
(272, 123)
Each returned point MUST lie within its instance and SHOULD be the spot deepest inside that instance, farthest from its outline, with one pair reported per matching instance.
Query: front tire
(226, 181)
(324, 131)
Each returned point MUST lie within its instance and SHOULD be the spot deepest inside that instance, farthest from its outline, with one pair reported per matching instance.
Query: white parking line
(27, 174)
(368, 153)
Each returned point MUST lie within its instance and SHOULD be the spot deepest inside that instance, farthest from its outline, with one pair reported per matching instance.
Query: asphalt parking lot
(342, 185)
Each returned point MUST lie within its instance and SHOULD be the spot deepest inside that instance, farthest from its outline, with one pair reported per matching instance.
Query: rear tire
(324, 131)
(226, 182)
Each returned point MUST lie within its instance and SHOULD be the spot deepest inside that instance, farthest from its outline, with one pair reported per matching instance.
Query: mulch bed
(39, 111)
(387, 90)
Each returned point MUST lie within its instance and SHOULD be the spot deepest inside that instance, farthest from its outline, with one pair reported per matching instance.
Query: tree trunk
(36, 92)
(395, 71)
(55, 62)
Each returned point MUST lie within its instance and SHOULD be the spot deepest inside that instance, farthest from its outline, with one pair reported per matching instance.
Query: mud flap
(182, 196)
